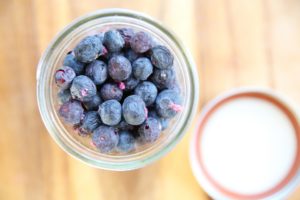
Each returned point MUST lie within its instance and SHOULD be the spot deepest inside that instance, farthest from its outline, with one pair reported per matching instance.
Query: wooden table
(234, 43)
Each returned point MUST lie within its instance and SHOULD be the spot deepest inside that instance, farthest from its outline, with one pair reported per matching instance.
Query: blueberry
(127, 34)
(89, 123)
(147, 91)
(88, 49)
(150, 130)
(163, 78)
(111, 91)
(110, 112)
(126, 142)
(109, 55)
(161, 57)
(105, 138)
(97, 71)
(142, 68)
(71, 61)
(141, 42)
(119, 68)
(64, 77)
(71, 112)
(113, 41)
(168, 103)
(83, 88)
(124, 126)
(94, 103)
(131, 55)
(163, 121)
(100, 36)
(64, 95)
(131, 83)
(134, 110)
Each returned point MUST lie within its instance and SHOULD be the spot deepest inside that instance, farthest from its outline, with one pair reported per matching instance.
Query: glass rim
(194, 95)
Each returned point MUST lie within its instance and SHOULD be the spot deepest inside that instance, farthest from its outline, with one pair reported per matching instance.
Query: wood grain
(234, 43)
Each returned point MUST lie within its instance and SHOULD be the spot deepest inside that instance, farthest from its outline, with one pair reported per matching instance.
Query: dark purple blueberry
(150, 130)
(110, 112)
(113, 41)
(119, 68)
(64, 77)
(126, 142)
(161, 57)
(97, 71)
(124, 126)
(142, 68)
(147, 91)
(88, 49)
(90, 122)
(168, 103)
(130, 83)
(163, 121)
(127, 34)
(111, 91)
(134, 110)
(105, 138)
(83, 88)
(64, 95)
(71, 61)
(163, 78)
(94, 103)
(141, 42)
(71, 112)
(131, 55)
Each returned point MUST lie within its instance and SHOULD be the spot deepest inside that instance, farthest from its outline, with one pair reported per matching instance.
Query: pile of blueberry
(120, 88)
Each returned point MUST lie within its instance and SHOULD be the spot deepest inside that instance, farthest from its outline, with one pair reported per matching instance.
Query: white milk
(248, 145)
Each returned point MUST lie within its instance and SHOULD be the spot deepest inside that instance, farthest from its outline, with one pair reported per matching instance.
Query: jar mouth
(45, 90)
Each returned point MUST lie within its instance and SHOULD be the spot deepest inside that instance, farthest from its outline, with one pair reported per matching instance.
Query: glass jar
(48, 104)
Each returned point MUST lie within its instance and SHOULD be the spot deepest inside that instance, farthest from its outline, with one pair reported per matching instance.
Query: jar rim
(42, 104)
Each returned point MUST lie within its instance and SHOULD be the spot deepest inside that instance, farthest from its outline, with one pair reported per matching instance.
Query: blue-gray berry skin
(110, 112)
(124, 126)
(134, 110)
(94, 103)
(168, 103)
(131, 55)
(88, 49)
(131, 83)
(111, 91)
(90, 122)
(161, 57)
(64, 95)
(97, 71)
(126, 142)
(83, 88)
(71, 112)
(142, 68)
(150, 130)
(105, 138)
(76, 65)
(64, 77)
(100, 36)
(141, 42)
(163, 121)
(109, 55)
(119, 68)
(147, 91)
(113, 41)
(127, 34)
(163, 78)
